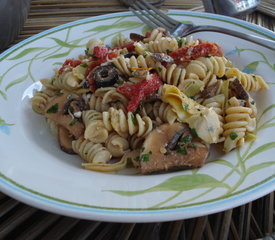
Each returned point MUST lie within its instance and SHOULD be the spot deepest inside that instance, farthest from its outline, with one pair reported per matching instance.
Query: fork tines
(150, 15)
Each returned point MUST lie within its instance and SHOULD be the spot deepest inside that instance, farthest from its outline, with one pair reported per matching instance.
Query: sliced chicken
(160, 153)
(57, 110)
(65, 140)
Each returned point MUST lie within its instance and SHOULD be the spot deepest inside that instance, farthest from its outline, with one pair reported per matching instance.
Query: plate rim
(108, 214)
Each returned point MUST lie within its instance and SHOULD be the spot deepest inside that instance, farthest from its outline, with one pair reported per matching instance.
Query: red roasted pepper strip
(138, 91)
(192, 52)
(69, 64)
(130, 47)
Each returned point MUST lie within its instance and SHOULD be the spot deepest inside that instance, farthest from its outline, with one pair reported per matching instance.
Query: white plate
(34, 170)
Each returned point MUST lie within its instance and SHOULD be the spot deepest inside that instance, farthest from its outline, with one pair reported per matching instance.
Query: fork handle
(268, 43)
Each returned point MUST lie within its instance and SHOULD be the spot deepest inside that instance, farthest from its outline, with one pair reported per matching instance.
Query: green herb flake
(211, 129)
(181, 150)
(71, 109)
(136, 74)
(53, 108)
(133, 119)
(252, 102)
(137, 159)
(185, 107)
(179, 40)
(194, 132)
(159, 69)
(142, 149)
(186, 139)
(73, 122)
(254, 77)
(233, 136)
(168, 51)
(145, 157)
(84, 65)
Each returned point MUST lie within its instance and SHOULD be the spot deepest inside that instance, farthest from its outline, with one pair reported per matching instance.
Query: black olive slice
(105, 76)
(128, 55)
(136, 37)
(74, 105)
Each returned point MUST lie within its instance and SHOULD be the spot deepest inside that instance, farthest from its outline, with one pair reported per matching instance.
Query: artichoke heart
(203, 120)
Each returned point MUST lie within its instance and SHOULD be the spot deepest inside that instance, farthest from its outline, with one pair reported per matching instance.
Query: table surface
(19, 221)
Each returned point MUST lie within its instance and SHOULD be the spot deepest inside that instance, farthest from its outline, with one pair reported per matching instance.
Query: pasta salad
(155, 101)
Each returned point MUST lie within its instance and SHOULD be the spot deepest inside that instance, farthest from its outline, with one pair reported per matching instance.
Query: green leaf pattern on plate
(183, 183)
(178, 184)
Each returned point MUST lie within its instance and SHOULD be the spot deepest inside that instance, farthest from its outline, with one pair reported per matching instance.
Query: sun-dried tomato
(130, 46)
(138, 91)
(100, 51)
(191, 52)
(68, 65)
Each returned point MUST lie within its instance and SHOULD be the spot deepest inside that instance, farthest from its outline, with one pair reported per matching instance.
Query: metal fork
(155, 18)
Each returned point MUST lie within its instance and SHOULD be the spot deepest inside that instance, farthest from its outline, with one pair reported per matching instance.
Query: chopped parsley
(252, 102)
(142, 149)
(233, 136)
(160, 69)
(179, 40)
(186, 139)
(133, 119)
(181, 150)
(145, 157)
(73, 122)
(53, 108)
(185, 107)
(136, 74)
(168, 51)
(193, 132)
(84, 65)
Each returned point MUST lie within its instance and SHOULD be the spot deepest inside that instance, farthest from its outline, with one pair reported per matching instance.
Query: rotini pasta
(124, 124)
(155, 101)
(251, 82)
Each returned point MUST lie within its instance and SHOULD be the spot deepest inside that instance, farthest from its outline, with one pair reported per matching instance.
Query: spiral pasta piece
(95, 130)
(251, 82)
(93, 42)
(162, 45)
(204, 67)
(125, 124)
(163, 112)
(155, 35)
(237, 121)
(124, 65)
(136, 142)
(173, 75)
(67, 81)
(40, 99)
(120, 40)
(117, 145)
(48, 84)
(91, 152)
(217, 103)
